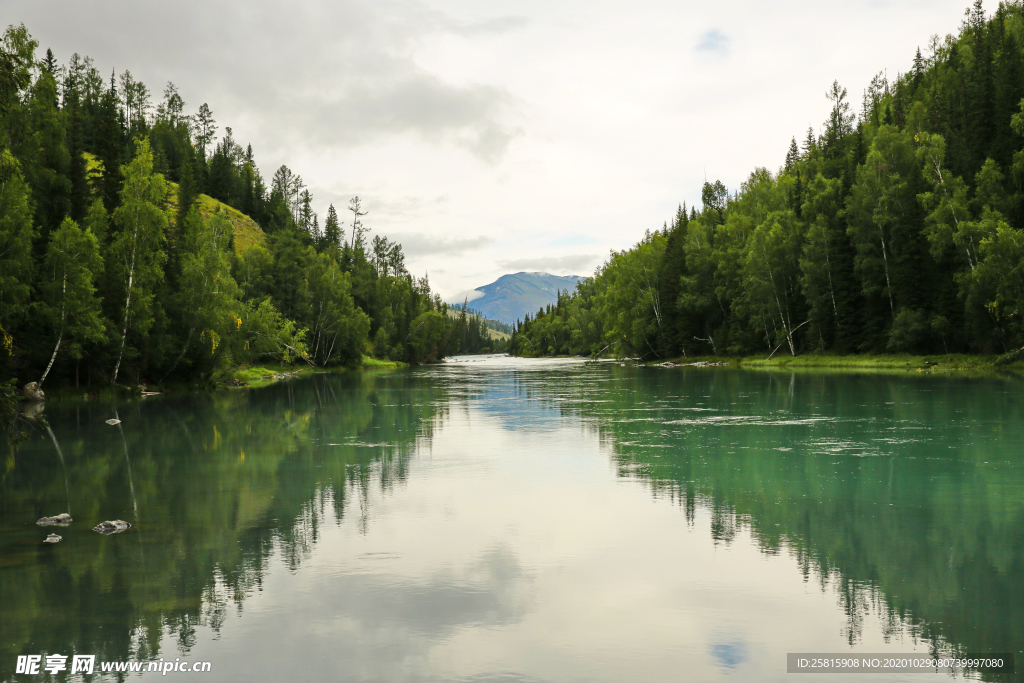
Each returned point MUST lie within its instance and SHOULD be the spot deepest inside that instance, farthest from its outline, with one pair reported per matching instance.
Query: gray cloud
(422, 244)
(360, 82)
(303, 73)
(713, 41)
(576, 263)
(380, 626)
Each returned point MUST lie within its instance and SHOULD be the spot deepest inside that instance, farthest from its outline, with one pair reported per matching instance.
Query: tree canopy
(139, 243)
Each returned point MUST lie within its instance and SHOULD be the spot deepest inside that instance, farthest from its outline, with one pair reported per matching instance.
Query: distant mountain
(511, 297)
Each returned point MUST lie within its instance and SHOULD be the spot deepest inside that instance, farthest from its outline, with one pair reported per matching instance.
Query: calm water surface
(495, 519)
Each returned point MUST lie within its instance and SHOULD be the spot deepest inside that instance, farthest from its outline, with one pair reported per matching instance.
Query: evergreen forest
(137, 246)
(897, 228)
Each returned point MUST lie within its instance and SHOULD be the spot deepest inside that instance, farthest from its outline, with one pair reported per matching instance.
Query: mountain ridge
(513, 295)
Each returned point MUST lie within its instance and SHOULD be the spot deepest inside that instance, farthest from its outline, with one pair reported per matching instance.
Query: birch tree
(137, 257)
(69, 300)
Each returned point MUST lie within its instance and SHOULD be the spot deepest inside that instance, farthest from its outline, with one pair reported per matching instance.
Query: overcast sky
(492, 137)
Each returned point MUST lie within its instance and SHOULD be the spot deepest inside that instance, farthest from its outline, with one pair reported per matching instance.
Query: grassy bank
(249, 377)
(942, 363)
(262, 375)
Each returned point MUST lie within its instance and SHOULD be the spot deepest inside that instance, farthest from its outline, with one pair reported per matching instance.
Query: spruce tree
(49, 63)
(918, 72)
(75, 141)
(333, 233)
(108, 147)
(792, 156)
(809, 142)
(49, 166)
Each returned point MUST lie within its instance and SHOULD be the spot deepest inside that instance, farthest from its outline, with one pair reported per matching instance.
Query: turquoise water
(498, 519)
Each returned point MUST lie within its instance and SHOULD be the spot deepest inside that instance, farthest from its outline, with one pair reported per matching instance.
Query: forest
(893, 229)
(137, 247)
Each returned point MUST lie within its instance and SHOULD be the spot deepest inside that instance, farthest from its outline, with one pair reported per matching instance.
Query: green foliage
(136, 249)
(264, 332)
(427, 337)
(338, 330)
(208, 296)
(16, 234)
(68, 293)
(632, 307)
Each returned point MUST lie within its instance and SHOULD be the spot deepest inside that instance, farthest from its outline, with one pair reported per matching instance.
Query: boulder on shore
(63, 519)
(33, 392)
(115, 526)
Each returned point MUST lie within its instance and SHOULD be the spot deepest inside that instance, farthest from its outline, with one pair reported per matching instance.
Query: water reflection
(215, 485)
(523, 521)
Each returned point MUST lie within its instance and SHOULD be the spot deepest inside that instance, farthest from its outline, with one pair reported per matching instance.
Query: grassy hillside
(247, 231)
(492, 333)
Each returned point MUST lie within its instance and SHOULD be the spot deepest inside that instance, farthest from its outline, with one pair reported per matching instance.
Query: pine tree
(358, 230)
(49, 162)
(333, 232)
(206, 128)
(305, 217)
(672, 269)
(840, 120)
(809, 142)
(74, 125)
(918, 72)
(109, 147)
(50, 63)
(792, 156)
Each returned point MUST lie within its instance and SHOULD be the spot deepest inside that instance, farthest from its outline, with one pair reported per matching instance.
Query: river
(499, 519)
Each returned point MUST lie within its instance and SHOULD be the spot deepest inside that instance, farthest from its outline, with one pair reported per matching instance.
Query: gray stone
(33, 409)
(63, 519)
(111, 527)
(33, 392)
(52, 538)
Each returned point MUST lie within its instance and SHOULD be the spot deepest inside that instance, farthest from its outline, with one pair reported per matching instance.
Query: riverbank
(260, 376)
(942, 363)
(245, 377)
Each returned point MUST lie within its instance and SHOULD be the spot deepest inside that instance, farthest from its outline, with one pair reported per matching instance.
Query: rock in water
(63, 519)
(33, 409)
(111, 527)
(33, 392)
(52, 538)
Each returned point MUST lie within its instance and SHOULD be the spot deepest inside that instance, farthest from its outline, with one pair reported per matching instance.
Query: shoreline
(945, 364)
(252, 377)
(256, 377)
